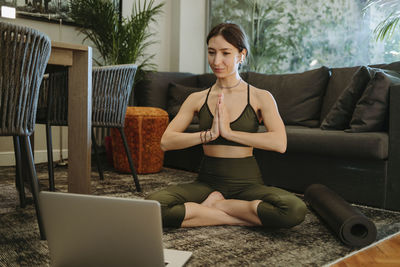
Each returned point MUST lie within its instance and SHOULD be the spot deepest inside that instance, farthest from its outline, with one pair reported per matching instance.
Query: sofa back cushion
(206, 80)
(153, 90)
(339, 116)
(370, 113)
(395, 66)
(298, 96)
(177, 94)
(363, 104)
(339, 80)
(180, 90)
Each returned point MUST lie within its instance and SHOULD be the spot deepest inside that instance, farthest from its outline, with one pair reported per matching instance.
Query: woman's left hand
(223, 117)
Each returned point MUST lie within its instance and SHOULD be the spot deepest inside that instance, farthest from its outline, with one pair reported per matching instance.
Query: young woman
(229, 189)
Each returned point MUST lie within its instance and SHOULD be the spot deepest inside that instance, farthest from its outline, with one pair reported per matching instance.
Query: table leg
(80, 122)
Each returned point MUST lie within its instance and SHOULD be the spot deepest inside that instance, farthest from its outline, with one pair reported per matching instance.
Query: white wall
(180, 35)
(192, 36)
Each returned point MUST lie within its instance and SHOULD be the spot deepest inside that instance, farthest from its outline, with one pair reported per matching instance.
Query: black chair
(24, 56)
(52, 109)
(111, 87)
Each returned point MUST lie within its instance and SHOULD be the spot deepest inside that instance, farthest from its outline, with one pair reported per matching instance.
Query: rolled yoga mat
(351, 226)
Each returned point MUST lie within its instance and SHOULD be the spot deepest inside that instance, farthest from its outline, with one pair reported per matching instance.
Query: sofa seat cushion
(372, 145)
(336, 143)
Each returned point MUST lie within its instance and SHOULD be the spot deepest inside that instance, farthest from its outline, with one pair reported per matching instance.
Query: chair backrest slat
(25, 53)
(111, 88)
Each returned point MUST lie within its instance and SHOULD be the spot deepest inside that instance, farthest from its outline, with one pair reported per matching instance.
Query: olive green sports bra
(246, 122)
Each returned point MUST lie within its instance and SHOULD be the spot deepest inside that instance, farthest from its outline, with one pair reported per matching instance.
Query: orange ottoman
(144, 127)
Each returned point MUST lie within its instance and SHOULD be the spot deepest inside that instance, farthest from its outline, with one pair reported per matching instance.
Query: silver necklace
(230, 87)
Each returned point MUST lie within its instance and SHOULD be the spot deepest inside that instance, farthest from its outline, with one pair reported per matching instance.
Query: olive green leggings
(235, 178)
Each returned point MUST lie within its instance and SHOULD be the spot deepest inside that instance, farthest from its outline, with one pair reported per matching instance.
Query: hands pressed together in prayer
(221, 123)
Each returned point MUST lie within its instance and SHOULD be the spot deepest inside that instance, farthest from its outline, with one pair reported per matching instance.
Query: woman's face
(223, 57)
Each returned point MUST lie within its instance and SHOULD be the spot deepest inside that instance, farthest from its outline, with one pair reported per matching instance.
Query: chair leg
(19, 180)
(35, 186)
(50, 157)
(96, 153)
(128, 154)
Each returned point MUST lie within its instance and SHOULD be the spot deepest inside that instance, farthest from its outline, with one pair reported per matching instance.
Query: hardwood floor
(385, 253)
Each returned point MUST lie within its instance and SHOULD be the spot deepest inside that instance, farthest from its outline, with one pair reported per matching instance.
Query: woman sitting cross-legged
(229, 189)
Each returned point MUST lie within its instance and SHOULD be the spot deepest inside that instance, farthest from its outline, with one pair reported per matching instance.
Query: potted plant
(119, 40)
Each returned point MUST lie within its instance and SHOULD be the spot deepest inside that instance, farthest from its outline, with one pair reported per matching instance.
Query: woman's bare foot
(201, 215)
(212, 198)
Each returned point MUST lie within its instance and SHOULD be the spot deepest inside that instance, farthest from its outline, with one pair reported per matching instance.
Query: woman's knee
(296, 212)
(172, 209)
(290, 212)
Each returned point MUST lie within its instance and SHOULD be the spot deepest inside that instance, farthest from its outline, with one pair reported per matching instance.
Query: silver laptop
(86, 230)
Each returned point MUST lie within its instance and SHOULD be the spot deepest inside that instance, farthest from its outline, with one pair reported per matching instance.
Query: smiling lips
(218, 69)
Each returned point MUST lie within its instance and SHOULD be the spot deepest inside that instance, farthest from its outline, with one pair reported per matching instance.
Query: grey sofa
(358, 161)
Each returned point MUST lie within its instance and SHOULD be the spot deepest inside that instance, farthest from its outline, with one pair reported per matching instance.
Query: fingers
(220, 103)
(223, 117)
(220, 98)
(215, 124)
(216, 113)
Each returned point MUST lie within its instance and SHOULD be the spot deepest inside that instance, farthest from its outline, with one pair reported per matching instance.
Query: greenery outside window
(289, 36)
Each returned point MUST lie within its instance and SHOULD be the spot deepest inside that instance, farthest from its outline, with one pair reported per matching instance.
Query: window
(296, 35)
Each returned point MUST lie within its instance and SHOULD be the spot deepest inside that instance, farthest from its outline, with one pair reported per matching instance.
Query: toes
(216, 195)
(212, 198)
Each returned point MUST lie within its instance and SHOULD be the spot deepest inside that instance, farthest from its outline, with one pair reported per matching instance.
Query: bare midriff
(222, 151)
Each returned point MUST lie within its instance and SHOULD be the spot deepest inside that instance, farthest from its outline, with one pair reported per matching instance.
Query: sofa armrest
(393, 174)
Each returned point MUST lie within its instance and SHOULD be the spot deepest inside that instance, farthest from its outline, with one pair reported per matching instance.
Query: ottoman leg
(128, 154)
(99, 168)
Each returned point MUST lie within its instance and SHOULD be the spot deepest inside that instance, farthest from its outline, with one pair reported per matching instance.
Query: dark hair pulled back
(233, 34)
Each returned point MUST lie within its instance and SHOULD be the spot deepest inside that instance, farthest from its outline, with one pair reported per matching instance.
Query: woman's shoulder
(199, 94)
(260, 93)
(262, 99)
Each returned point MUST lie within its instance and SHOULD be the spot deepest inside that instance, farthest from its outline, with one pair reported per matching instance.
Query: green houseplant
(388, 26)
(119, 40)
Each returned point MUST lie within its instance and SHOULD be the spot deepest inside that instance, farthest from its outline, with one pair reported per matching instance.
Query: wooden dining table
(78, 60)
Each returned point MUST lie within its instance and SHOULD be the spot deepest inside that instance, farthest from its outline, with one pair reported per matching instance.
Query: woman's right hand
(215, 125)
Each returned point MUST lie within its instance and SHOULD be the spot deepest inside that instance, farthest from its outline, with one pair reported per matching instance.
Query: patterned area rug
(308, 244)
